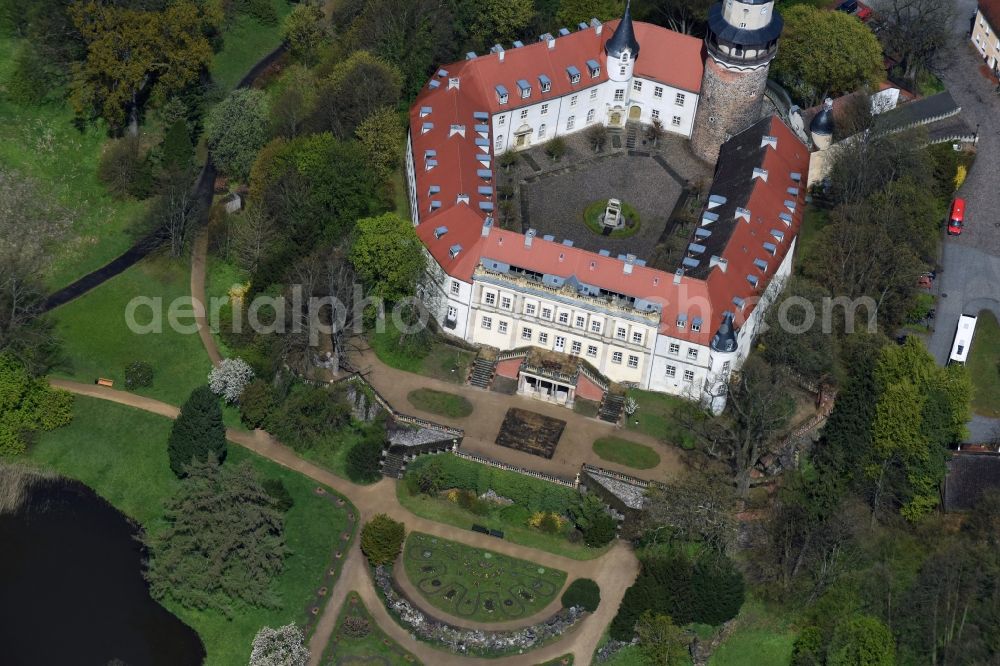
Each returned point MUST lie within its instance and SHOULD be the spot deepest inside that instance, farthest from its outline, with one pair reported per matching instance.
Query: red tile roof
(666, 56)
(991, 10)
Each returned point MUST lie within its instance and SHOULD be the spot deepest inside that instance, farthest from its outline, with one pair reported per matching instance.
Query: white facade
(611, 103)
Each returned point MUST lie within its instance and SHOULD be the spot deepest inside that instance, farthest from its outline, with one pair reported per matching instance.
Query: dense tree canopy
(388, 256)
(826, 53)
(573, 12)
(223, 543)
(354, 89)
(27, 405)
(236, 129)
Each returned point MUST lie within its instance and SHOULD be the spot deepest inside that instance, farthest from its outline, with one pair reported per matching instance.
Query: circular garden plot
(477, 584)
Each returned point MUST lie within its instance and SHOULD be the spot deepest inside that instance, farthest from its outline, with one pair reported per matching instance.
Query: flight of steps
(611, 408)
(392, 465)
(631, 136)
(482, 372)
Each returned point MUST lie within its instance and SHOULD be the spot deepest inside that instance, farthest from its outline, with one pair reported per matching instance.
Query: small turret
(821, 127)
(623, 48)
(725, 338)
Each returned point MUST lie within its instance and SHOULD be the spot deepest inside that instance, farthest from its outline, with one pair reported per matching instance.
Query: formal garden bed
(624, 452)
(530, 432)
(121, 453)
(529, 511)
(477, 584)
(357, 639)
(440, 403)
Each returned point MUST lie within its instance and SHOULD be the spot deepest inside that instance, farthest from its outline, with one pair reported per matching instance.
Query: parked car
(859, 9)
(956, 217)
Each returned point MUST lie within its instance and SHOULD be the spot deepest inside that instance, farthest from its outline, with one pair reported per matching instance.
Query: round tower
(725, 348)
(821, 127)
(622, 49)
(742, 41)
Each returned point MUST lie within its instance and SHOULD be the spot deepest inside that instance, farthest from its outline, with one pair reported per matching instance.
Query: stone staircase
(631, 136)
(611, 408)
(482, 373)
(392, 465)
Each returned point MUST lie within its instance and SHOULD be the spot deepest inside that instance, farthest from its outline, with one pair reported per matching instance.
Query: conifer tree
(198, 432)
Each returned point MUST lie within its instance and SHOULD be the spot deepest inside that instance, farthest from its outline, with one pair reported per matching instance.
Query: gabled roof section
(991, 11)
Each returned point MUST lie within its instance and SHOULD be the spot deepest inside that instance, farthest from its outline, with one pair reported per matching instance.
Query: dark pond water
(71, 587)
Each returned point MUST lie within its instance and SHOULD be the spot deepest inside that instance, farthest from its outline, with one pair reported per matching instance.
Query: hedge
(582, 592)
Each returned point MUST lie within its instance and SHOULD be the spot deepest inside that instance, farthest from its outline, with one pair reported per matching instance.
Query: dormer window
(574, 74)
(502, 94)
(594, 68)
(544, 83)
(525, 88)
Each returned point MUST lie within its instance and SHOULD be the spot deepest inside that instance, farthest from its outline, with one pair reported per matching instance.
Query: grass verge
(121, 453)
(97, 340)
(984, 366)
(761, 637)
(655, 417)
(441, 403)
(245, 41)
(624, 452)
(442, 361)
(374, 647)
(592, 218)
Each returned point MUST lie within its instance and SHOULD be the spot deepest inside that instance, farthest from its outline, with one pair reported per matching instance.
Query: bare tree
(685, 16)
(916, 31)
(696, 507)
(655, 131)
(251, 234)
(177, 209)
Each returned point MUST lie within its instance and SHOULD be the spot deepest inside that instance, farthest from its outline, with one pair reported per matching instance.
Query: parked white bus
(963, 339)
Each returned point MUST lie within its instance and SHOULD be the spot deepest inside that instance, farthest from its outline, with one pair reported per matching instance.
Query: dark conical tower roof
(822, 123)
(725, 338)
(624, 37)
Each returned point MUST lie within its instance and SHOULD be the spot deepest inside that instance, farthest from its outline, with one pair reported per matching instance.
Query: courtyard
(477, 584)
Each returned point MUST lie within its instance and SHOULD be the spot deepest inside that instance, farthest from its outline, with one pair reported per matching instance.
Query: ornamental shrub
(382, 539)
(582, 592)
(138, 374)
(230, 378)
(364, 457)
(256, 403)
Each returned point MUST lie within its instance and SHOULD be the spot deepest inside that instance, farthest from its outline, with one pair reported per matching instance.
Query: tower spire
(624, 37)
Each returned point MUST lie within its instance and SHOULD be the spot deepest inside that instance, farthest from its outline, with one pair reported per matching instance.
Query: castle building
(681, 331)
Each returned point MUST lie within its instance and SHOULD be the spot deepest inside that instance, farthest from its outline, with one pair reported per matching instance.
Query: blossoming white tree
(283, 646)
(230, 378)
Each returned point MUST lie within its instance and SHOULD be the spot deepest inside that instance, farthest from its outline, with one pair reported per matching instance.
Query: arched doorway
(522, 137)
(635, 113)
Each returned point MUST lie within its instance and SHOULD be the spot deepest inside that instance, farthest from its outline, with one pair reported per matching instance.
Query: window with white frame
(581, 321)
(637, 337)
(679, 99)
(682, 322)
(499, 143)
(502, 326)
(593, 93)
(563, 317)
(675, 348)
(455, 287)
(620, 332)
(487, 323)
(658, 92)
(591, 351)
(619, 94)
(656, 114)
(543, 338)
(633, 361)
(725, 368)
(696, 326)
(590, 116)
(546, 313)
(526, 334)
(689, 375)
(570, 122)
(637, 86)
(541, 131)
(489, 298)
(544, 109)
(530, 309)
(595, 325)
(616, 358)
(505, 302)
(452, 312)
(671, 371)
(573, 99)
(501, 120)
(676, 121)
(575, 348)
(622, 70)
(692, 353)
(524, 114)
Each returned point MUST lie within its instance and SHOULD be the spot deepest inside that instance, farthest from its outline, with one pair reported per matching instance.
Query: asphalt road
(970, 279)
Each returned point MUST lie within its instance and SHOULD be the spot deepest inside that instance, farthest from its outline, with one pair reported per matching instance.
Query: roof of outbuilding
(968, 476)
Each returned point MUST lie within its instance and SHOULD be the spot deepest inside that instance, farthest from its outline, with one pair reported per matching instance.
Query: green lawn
(220, 276)
(441, 403)
(442, 361)
(984, 366)
(98, 343)
(813, 222)
(449, 513)
(41, 142)
(375, 647)
(245, 41)
(624, 452)
(761, 637)
(655, 418)
(121, 453)
(331, 452)
(475, 584)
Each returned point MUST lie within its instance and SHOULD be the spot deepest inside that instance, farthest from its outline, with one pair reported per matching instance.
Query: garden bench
(101, 381)
(496, 533)
(480, 529)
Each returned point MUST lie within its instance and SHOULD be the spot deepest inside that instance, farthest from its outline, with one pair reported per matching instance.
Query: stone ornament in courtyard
(612, 218)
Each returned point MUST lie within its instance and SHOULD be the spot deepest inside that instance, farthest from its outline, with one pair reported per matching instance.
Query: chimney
(597, 25)
(629, 263)
(487, 225)
(678, 274)
(498, 50)
(528, 237)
